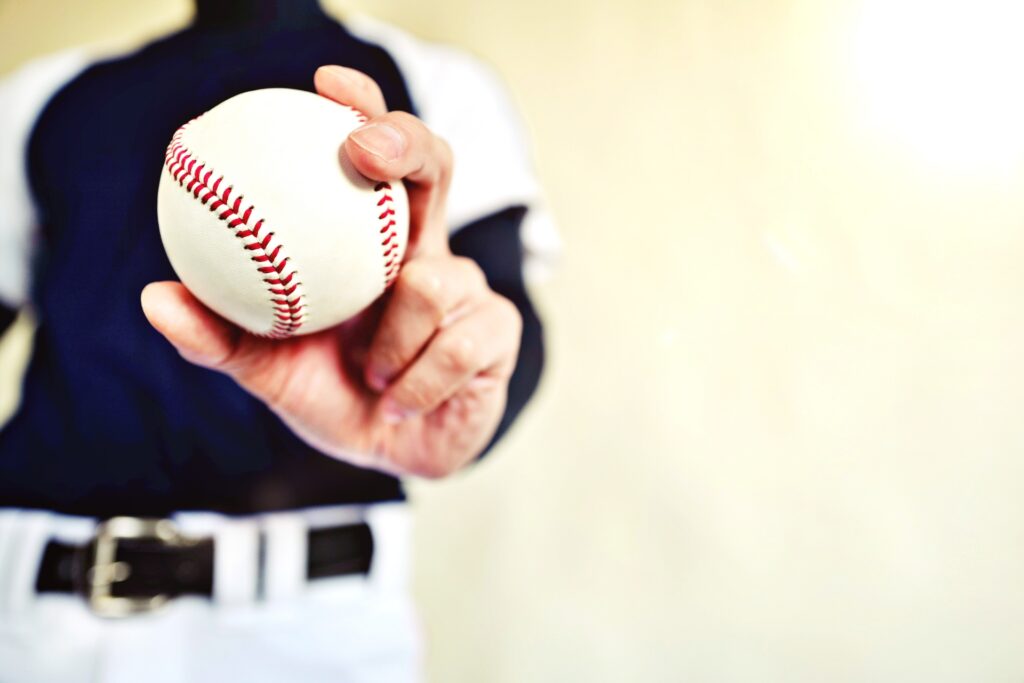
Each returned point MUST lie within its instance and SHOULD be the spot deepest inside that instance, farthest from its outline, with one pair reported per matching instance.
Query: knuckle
(472, 271)
(420, 283)
(459, 354)
(508, 311)
(432, 144)
(415, 394)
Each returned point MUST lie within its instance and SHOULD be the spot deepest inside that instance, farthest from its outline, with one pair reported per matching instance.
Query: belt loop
(285, 553)
(236, 561)
(23, 536)
(391, 525)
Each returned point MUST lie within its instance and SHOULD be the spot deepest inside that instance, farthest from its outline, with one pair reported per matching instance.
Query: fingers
(396, 146)
(483, 343)
(391, 146)
(429, 294)
(352, 88)
(200, 335)
(204, 338)
(399, 145)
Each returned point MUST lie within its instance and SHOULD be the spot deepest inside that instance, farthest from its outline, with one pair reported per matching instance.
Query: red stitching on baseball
(388, 230)
(288, 315)
(288, 312)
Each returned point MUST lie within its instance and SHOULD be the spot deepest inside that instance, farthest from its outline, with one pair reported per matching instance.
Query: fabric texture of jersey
(112, 420)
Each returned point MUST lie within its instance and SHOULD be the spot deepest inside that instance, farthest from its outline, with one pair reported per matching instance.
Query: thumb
(200, 336)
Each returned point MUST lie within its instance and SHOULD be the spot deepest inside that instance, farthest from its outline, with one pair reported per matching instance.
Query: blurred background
(780, 437)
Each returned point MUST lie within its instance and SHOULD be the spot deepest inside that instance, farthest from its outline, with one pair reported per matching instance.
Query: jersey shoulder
(463, 101)
(24, 93)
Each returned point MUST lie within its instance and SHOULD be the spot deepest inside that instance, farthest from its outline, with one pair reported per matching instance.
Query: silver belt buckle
(106, 570)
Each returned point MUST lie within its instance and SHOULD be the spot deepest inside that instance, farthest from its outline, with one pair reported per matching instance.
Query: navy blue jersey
(112, 420)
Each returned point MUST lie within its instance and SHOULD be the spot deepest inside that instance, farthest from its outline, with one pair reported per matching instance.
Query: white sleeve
(465, 103)
(23, 94)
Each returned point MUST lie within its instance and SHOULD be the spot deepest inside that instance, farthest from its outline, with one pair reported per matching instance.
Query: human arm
(416, 385)
(23, 95)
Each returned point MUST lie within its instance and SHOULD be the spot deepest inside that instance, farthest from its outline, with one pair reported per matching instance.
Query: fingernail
(380, 140)
(394, 413)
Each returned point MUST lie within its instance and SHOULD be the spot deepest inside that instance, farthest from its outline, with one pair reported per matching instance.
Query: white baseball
(266, 221)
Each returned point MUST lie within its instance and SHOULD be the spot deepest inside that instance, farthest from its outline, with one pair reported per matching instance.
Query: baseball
(266, 221)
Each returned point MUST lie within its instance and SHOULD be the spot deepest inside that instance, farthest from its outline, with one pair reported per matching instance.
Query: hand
(417, 383)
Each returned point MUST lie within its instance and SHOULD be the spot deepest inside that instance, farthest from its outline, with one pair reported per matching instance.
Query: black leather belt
(135, 565)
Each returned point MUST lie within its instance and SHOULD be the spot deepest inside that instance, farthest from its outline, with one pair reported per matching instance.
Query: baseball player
(180, 500)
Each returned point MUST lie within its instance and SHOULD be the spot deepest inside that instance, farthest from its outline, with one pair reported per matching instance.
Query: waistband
(237, 549)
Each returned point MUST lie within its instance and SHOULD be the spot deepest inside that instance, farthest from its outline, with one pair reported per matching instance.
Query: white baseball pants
(357, 629)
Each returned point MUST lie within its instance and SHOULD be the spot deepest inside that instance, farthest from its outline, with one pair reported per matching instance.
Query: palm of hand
(315, 385)
(440, 348)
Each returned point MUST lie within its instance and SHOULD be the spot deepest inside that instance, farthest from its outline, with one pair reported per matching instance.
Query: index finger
(396, 146)
(352, 88)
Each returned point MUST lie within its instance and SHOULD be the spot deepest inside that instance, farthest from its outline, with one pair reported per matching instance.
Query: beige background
(781, 437)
